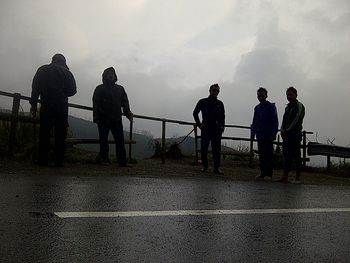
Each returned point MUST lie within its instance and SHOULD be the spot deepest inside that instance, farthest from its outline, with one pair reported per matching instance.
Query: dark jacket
(108, 99)
(213, 113)
(293, 117)
(54, 84)
(265, 121)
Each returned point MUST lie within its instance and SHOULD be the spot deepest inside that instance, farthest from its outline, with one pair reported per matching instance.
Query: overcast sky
(168, 53)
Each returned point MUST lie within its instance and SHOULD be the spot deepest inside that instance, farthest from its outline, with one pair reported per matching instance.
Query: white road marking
(198, 212)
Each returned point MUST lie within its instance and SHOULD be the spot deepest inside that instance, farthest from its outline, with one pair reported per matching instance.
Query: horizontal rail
(93, 141)
(15, 117)
(21, 118)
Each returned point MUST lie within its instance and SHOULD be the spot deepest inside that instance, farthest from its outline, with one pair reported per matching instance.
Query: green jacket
(293, 117)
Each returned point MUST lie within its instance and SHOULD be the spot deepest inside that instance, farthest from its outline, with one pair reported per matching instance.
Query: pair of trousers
(117, 131)
(212, 136)
(56, 120)
(292, 152)
(265, 150)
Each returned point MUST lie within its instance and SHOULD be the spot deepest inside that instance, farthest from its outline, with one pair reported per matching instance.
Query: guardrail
(328, 150)
(14, 118)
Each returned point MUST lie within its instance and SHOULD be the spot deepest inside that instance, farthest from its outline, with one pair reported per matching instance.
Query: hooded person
(53, 83)
(110, 101)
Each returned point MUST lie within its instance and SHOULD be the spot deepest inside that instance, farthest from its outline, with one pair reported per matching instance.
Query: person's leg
(60, 120)
(297, 157)
(269, 158)
(44, 136)
(264, 158)
(205, 140)
(287, 149)
(103, 131)
(118, 135)
(60, 141)
(44, 142)
(216, 149)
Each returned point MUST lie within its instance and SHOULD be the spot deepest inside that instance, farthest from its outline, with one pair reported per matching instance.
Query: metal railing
(14, 118)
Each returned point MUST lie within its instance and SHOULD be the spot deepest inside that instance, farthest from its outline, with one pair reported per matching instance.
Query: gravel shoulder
(154, 168)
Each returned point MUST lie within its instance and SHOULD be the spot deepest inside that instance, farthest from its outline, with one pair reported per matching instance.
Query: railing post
(14, 121)
(163, 141)
(328, 163)
(304, 149)
(251, 145)
(130, 138)
(196, 142)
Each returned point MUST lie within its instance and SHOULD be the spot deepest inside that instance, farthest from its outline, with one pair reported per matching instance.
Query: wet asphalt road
(30, 232)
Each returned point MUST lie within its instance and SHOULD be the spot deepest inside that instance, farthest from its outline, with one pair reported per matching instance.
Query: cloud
(167, 54)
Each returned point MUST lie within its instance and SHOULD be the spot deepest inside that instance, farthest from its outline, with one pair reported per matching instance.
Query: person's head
(59, 59)
(261, 94)
(214, 90)
(109, 76)
(292, 94)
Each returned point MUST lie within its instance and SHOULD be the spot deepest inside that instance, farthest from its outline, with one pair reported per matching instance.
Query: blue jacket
(265, 121)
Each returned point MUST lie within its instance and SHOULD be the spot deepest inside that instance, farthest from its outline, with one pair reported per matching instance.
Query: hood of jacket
(104, 76)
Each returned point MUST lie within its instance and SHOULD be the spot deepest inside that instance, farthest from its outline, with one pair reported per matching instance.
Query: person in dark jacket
(53, 83)
(291, 132)
(212, 126)
(265, 128)
(108, 101)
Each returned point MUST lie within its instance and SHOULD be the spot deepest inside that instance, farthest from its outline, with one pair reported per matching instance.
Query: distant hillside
(80, 128)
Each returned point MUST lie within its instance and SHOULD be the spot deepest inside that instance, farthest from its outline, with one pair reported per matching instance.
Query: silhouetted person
(265, 127)
(108, 101)
(212, 126)
(54, 83)
(291, 132)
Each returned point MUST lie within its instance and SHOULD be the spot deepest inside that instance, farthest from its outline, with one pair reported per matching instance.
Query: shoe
(105, 163)
(218, 171)
(296, 181)
(282, 180)
(204, 169)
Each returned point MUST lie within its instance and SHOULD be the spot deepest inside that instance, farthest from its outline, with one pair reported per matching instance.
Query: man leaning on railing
(53, 83)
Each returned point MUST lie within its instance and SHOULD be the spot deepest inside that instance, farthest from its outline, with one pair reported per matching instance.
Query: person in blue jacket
(265, 128)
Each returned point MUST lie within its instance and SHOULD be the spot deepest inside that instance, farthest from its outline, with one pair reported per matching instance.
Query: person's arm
(274, 120)
(223, 118)
(126, 106)
(71, 86)
(35, 92)
(95, 106)
(196, 111)
(254, 124)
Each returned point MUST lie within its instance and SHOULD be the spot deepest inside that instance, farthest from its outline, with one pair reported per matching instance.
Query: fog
(168, 53)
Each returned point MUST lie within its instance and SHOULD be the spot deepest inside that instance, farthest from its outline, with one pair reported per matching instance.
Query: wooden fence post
(14, 121)
(130, 138)
(163, 141)
(196, 142)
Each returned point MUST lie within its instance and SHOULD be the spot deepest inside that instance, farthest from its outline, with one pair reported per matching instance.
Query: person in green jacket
(291, 132)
